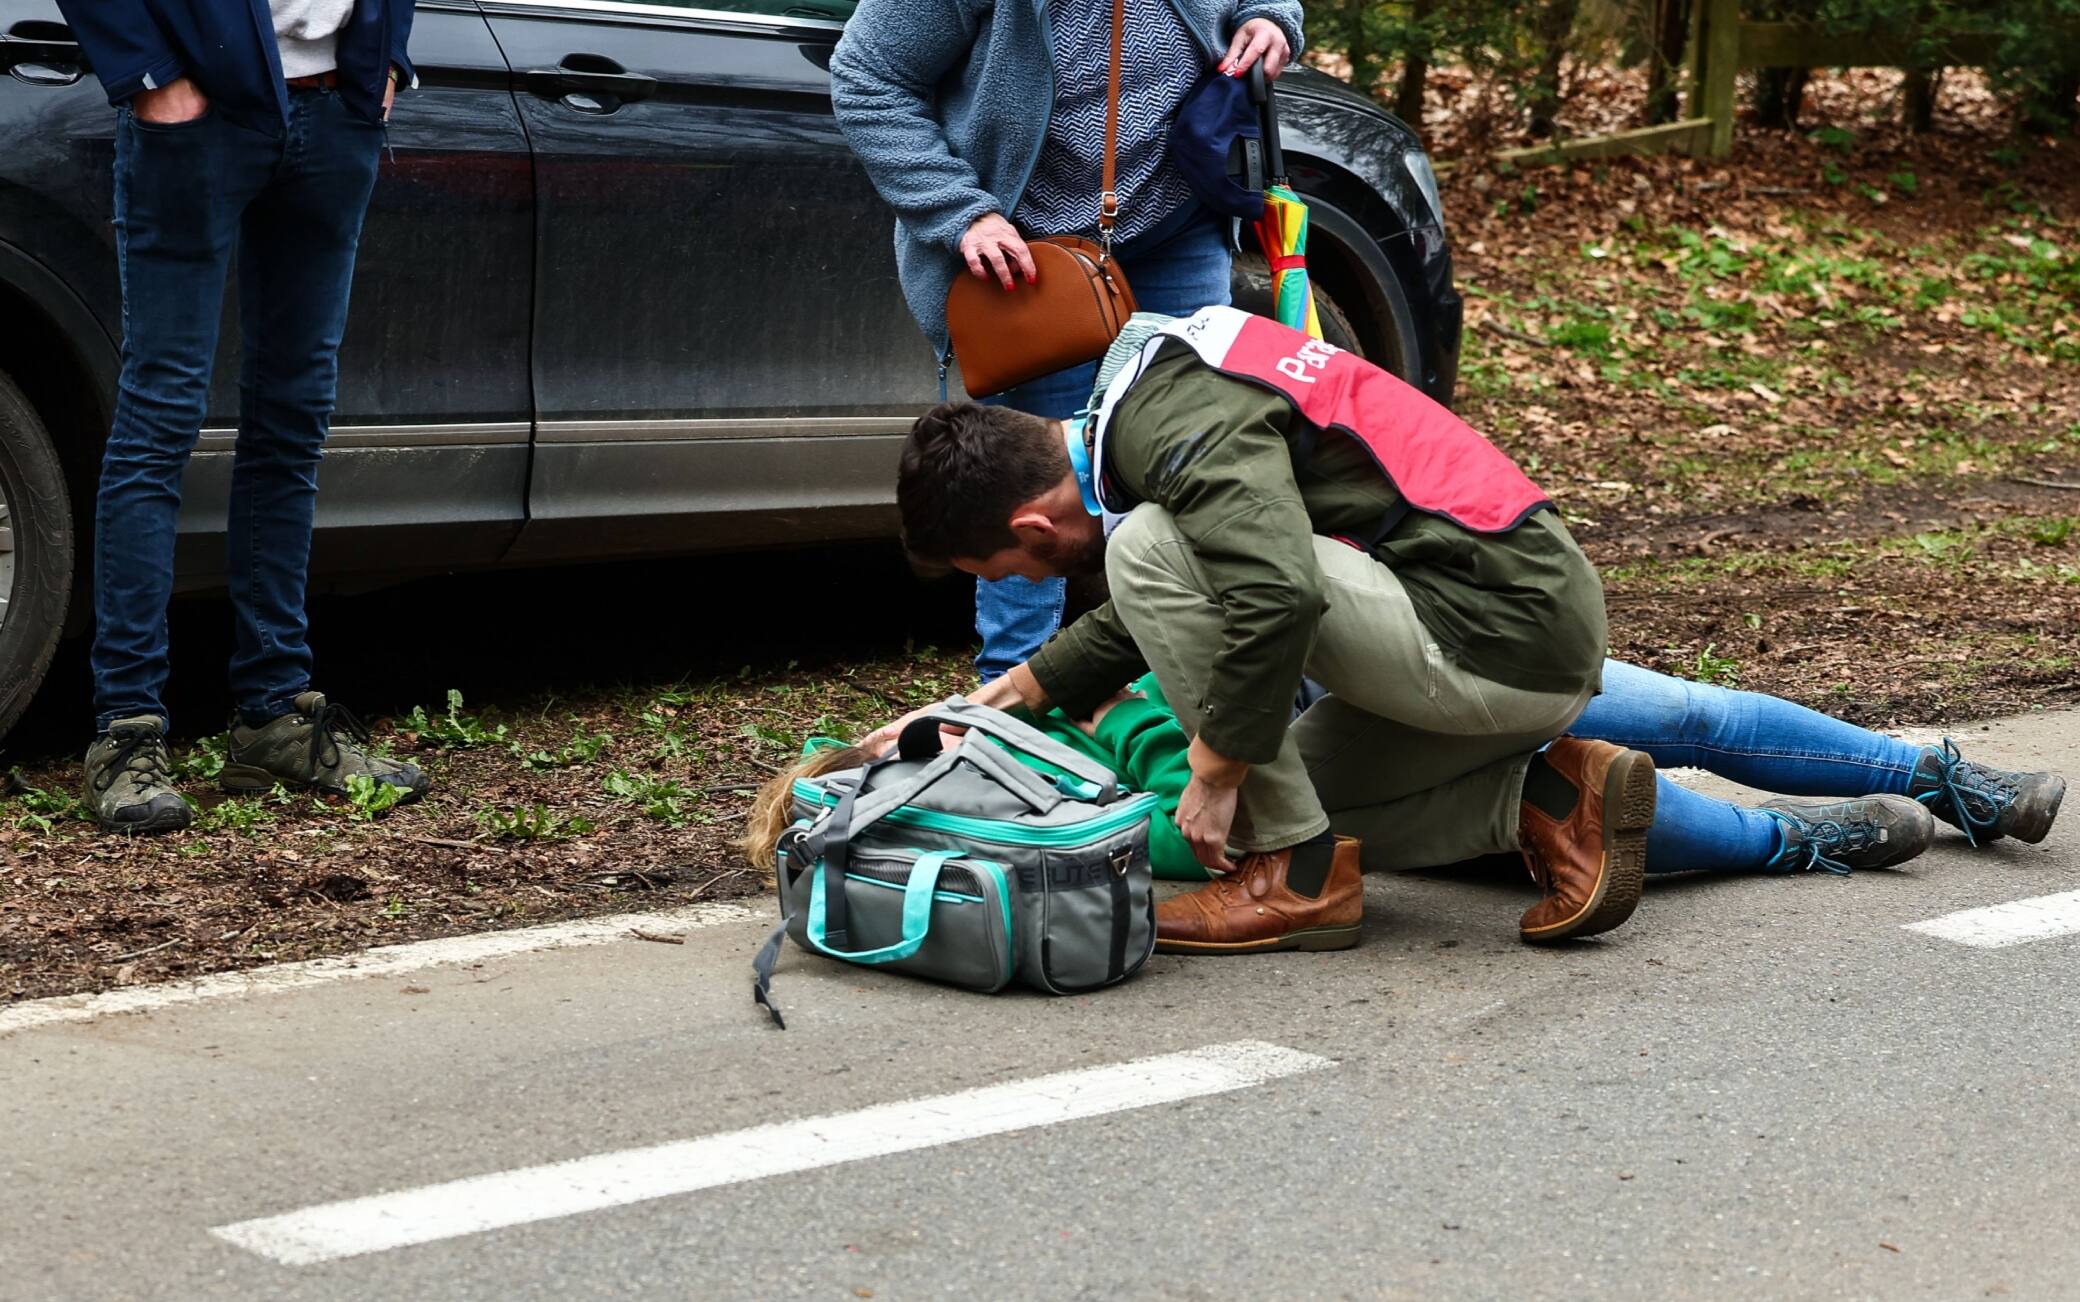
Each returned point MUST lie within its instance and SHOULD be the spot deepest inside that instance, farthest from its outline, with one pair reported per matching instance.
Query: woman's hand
(993, 241)
(1259, 38)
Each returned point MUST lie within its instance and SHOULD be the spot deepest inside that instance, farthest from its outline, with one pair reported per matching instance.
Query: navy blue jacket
(227, 47)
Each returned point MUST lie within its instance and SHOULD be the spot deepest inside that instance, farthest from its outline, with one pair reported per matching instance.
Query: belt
(316, 81)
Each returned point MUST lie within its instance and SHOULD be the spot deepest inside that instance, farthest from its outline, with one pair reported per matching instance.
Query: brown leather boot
(1584, 831)
(1254, 911)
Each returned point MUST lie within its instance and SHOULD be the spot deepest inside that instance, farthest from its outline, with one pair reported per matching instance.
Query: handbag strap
(1108, 198)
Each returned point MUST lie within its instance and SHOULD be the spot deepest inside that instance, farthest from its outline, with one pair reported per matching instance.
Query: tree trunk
(1779, 93)
(1919, 93)
(1555, 23)
(1665, 60)
(1415, 70)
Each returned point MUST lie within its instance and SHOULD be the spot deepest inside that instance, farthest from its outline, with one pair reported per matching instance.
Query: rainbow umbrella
(1282, 230)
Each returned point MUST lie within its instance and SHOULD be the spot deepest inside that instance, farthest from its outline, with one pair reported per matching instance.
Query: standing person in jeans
(233, 133)
(983, 123)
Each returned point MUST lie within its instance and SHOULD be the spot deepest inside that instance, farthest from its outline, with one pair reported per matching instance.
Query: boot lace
(1976, 795)
(139, 755)
(329, 723)
(1820, 841)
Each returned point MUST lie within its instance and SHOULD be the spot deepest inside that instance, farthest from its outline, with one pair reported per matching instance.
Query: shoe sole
(243, 780)
(1628, 811)
(1310, 940)
(153, 826)
(2037, 830)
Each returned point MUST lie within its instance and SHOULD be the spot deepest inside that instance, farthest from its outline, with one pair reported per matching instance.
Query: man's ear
(1031, 524)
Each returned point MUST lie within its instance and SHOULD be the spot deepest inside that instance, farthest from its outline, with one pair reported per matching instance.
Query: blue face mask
(1080, 463)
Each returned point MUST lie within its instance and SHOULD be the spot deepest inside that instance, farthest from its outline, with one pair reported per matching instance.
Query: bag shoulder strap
(1108, 197)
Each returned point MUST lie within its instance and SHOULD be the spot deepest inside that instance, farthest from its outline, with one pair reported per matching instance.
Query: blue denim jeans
(186, 196)
(1177, 268)
(1756, 740)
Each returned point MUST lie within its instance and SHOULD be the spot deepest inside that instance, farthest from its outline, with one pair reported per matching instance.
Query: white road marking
(382, 1222)
(1999, 925)
(388, 960)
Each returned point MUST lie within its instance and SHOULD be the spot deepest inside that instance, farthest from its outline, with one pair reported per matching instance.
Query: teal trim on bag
(917, 913)
(1116, 818)
(949, 897)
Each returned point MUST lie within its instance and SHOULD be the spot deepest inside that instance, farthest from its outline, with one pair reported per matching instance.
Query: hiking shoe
(318, 745)
(1583, 826)
(1843, 835)
(1984, 802)
(130, 779)
(1260, 908)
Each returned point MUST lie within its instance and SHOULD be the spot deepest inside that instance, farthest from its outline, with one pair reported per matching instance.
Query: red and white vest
(1436, 461)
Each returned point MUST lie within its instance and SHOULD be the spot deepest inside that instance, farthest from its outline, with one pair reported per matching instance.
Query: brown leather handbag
(1071, 313)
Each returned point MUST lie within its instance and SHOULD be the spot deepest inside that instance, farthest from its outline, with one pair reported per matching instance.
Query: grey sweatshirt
(307, 32)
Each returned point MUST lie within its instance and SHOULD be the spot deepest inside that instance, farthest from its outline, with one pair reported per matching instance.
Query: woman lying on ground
(1897, 790)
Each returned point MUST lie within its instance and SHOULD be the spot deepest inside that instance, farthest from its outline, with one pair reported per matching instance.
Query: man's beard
(1075, 560)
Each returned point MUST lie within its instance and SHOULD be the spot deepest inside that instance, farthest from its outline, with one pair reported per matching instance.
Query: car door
(721, 353)
(427, 464)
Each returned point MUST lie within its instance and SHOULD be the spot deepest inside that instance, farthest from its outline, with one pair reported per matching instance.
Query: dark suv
(622, 291)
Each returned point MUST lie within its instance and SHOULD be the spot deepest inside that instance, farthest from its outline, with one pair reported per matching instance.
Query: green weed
(371, 799)
(203, 761)
(1725, 671)
(583, 748)
(36, 809)
(531, 823)
(659, 798)
(453, 729)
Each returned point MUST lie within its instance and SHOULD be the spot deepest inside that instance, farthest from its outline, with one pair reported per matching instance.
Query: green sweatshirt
(1141, 740)
(1522, 608)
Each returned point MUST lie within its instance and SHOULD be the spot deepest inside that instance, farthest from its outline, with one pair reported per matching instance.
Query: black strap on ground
(762, 974)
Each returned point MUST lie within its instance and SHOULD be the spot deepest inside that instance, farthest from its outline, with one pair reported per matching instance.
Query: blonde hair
(775, 800)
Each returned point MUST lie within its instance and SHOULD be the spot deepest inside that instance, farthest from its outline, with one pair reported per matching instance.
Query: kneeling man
(1264, 506)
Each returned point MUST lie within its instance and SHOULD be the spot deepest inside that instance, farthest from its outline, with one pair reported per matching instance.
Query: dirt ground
(1816, 413)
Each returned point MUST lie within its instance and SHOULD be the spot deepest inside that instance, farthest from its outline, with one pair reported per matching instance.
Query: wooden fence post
(1720, 47)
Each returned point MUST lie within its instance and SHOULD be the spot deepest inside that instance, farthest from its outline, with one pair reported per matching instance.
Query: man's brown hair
(965, 468)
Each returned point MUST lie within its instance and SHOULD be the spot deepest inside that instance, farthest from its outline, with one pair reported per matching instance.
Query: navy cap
(1217, 144)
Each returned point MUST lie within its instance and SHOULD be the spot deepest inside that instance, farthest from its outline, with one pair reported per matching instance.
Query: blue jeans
(1177, 268)
(186, 195)
(1756, 740)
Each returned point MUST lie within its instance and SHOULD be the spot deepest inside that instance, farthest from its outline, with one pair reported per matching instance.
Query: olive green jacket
(1522, 608)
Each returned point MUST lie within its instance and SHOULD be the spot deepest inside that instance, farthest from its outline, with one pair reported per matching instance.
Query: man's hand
(1205, 814)
(1206, 811)
(1018, 687)
(1259, 38)
(179, 100)
(995, 242)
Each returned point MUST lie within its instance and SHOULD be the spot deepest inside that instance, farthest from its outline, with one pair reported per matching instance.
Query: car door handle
(590, 74)
(42, 53)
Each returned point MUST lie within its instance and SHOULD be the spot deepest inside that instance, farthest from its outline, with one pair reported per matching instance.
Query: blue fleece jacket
(947, 101)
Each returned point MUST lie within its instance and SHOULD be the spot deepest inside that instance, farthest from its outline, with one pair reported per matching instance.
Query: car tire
(1250, 284)
(35, 552)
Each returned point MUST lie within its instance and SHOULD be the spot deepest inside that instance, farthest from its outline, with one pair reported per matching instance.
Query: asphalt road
(1760, 1087)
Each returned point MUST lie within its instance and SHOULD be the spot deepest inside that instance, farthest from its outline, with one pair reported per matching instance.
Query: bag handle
(1022, 736)
(917, 912)
(1108, 198)
(917, 923)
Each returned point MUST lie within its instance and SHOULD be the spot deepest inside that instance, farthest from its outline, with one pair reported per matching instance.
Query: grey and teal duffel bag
(965, 866)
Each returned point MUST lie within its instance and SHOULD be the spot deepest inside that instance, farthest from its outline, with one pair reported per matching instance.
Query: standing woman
(983, 122)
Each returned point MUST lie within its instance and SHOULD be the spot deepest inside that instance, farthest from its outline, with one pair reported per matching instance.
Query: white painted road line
(387, 960)
(1999, 925)
(586, 1184)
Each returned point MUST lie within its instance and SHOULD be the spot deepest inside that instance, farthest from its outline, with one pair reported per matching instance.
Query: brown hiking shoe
(1587, 806)
(1254, 910)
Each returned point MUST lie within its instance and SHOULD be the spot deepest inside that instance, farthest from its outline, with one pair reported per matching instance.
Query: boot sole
(244, 780)
(2038, 829)
(1628, 811)
(153, 826)
(1310, 940)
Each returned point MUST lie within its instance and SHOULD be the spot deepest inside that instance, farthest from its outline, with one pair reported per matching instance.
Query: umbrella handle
(1260, 94)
